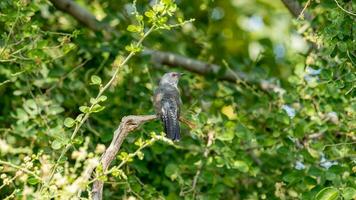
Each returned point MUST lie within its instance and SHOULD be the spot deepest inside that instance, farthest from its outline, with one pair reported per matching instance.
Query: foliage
(288, 132)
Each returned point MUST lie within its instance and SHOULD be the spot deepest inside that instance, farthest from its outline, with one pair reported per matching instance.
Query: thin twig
(301, 15)
(338, 144)
(190, 124)
(21, 168)
(295, 9)
(11, 195)
(102, 90)
(210, 141)
(62, 78)
(343, 9)
(348, 55)
(11, 31)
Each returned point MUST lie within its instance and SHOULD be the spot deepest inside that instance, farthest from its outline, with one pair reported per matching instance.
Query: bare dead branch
(196, 66)
(127, 125)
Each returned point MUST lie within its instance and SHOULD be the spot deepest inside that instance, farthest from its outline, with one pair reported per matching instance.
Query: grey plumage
(167, 104)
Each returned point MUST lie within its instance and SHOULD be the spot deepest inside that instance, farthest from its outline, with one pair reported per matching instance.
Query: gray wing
(167, 106)
(170, 118)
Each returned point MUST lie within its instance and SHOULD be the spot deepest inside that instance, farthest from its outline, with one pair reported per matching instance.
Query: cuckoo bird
(167, 104)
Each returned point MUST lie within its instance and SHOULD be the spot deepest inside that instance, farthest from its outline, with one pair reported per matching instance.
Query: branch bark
(88, 19)
(192, 65)
(170, 59)
(127, 125)
(79, 13)
(160, 57)
(296, 9)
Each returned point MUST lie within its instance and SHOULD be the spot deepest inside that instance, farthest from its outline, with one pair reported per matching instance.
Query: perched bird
(167, 104)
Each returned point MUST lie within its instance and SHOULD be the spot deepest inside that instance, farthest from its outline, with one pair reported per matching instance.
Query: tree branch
(192, 65)
(170, 59)
(210, 141)
(79, 13)
(296, 9)
(127, 125)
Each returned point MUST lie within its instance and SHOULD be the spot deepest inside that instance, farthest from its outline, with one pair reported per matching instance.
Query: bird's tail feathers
(171, 127)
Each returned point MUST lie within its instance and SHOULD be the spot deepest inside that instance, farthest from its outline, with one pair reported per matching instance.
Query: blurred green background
(287, 131)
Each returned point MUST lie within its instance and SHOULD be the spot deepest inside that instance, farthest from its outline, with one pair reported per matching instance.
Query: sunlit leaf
(95, 80)
(56, 144)
(69, 122)
(229, 112)
(329, 193)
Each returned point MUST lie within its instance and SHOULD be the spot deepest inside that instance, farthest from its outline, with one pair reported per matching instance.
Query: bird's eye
(174, 74)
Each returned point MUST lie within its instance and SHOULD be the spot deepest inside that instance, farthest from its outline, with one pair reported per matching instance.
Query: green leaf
(102, 98)
(32, 180)
(150, 14)
(139, 17)
(314, 153)
(134, 28)
(349, 193)
(69, 122)
(139, 142)
(329, 193)
(103, 178)
(93, 100)
(63, 159)
(123, 156)
(133, 48)
(56, 144)
(99, 169)
(171, 171)
(115, 171)
(21, 115)
(30, 107)
(229, 112)
(167, 2)
(84, 109)
(292, 177)
(123, 175)
(241, 166)
(79, 117)
(95, 80)
(55, 109)
(78, 140)
(140, 155)
(228, 133)
(97, 108)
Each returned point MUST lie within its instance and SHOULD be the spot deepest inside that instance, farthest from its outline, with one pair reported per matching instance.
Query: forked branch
(127, 125)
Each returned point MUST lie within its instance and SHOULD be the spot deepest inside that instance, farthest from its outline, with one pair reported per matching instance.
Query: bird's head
(171, 78)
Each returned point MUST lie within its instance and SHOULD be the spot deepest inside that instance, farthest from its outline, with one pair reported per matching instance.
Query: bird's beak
(182, 74)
